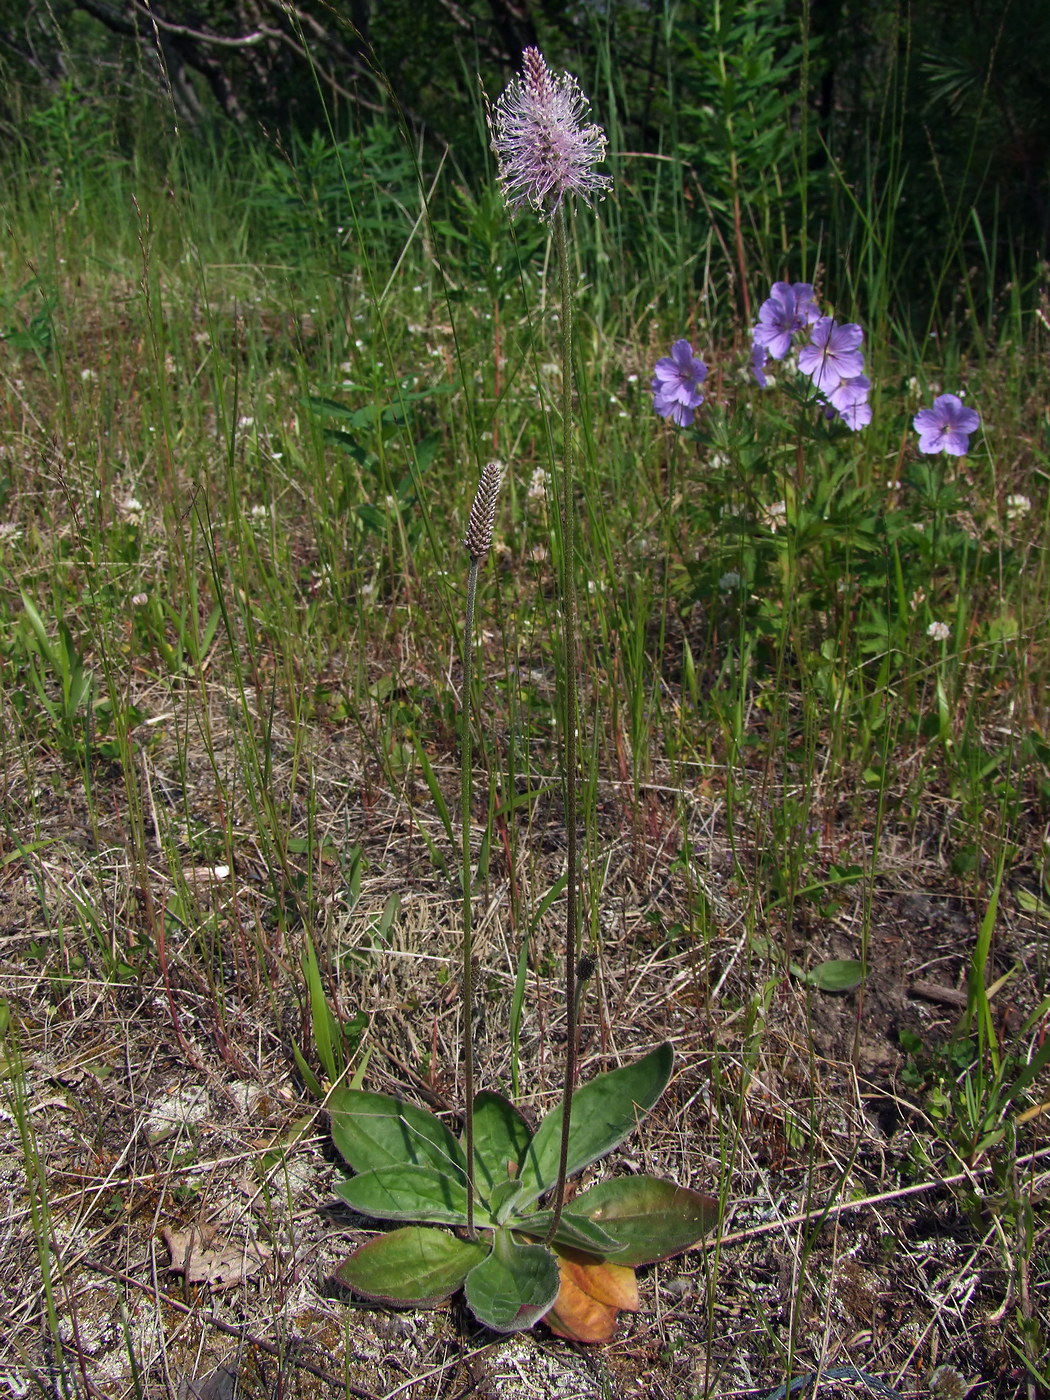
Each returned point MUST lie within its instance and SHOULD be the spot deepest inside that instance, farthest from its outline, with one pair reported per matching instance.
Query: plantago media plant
(517, 1250)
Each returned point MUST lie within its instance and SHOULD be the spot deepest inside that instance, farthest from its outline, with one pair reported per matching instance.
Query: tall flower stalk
(546, 151)
(568, 595)
(478, 542)
(491, 1185)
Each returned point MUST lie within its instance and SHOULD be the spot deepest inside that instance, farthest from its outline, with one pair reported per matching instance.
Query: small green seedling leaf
(412, 1265)
(652, 1219)
(604, 1112)
(514, 1286)
(501, 1139)
(1031, 903)
(376, 1130)
(838, 975)
(406, 1193)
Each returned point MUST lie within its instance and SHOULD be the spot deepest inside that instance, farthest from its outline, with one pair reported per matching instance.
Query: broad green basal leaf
(503, 1200)
(514, 1286)
(412, 1265)
(501, 1139)
(574, 1231)
(407, 1193)
(604, 1111)
(375, 1130)
(652, 1219)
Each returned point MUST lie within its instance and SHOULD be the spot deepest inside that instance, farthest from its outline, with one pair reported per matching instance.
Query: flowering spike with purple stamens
(676, 384)
(544, 148)
(946, 427)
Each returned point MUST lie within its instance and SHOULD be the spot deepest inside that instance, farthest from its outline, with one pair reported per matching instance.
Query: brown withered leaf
(193, 1256)
(591, 1295)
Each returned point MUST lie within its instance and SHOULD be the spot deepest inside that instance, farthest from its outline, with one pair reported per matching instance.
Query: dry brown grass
(162, 1096)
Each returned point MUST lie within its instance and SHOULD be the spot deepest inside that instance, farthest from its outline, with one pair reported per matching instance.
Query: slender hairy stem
(478, 542)
(568, 603)
(466, 791)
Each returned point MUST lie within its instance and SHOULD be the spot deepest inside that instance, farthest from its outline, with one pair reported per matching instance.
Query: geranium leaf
(604, 1112)
(501, 1139)
(406, 1193)
(652, 1219)
(412, 1265)
(376, 1130)
(514, 1287)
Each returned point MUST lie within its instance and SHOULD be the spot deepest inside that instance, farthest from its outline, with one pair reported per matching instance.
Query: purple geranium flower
(946, 427)
(856, 415)
(850, 391)
(833, 354)
(758, 364)
(849, 400)
(789, 309)
(544, 148)
(676, 384)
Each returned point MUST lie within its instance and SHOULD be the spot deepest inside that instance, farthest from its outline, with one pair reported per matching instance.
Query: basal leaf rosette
(410, 1169)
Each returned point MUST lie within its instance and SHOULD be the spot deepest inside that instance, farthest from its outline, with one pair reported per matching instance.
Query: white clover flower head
(1017, 506)
(939, 631)
(775, 515)
(139, 600)
(729, 582)
(538, 485)
(260, 511)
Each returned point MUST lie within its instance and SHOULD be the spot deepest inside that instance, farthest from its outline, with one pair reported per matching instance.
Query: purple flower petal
(788, 310)
(849, 392)
(833, 354)
(856, 415)
(946, 427)
(758, 365)
(676, 384)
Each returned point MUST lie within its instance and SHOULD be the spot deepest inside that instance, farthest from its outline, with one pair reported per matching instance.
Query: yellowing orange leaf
(591, 1295)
